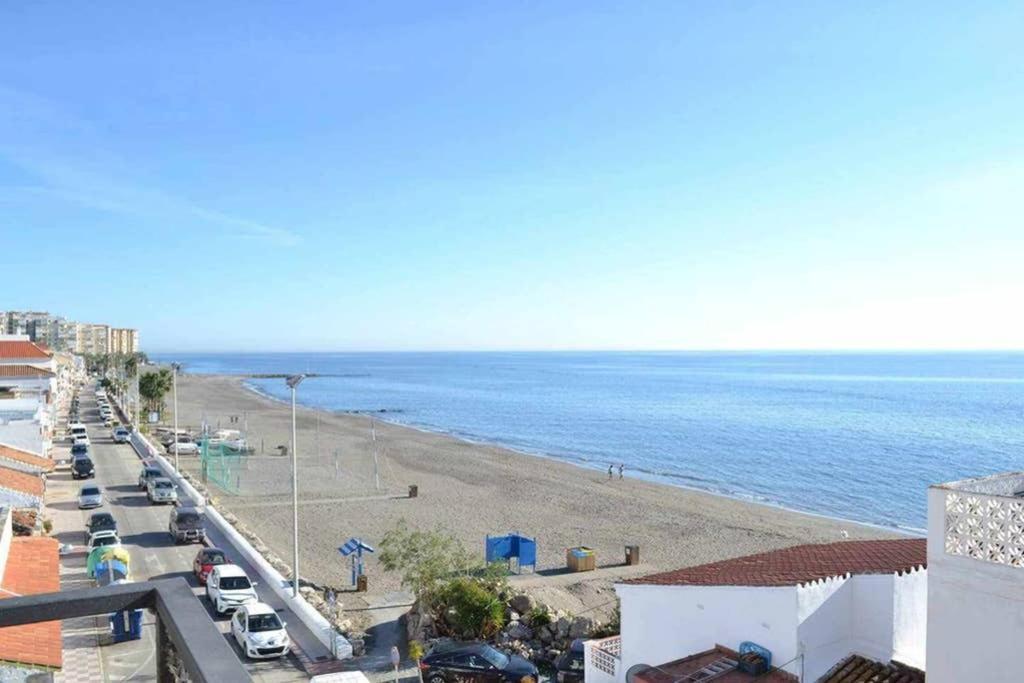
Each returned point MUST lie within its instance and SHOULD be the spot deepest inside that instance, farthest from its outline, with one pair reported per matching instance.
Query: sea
(857, 436)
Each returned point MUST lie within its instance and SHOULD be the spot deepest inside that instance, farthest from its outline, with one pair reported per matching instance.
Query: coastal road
(143, 530)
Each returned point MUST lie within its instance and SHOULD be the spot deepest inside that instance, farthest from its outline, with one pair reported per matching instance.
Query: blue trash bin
(126, 625)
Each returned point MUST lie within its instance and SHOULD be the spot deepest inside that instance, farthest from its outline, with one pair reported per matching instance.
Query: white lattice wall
(987, 528)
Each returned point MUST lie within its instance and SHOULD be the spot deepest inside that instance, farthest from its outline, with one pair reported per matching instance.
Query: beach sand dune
(471, 489)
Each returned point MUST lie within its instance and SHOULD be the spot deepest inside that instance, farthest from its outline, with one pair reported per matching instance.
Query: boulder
(521, 603)
(562, 627)
(519, 631)
(546, 633)
(580, 627)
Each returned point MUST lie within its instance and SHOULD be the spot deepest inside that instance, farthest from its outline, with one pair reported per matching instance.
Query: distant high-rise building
(124, 340)
(52, 331)
(93, 338)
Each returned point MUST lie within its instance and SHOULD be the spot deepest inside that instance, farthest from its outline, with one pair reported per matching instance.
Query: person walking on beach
(610, 468)
(621, 467)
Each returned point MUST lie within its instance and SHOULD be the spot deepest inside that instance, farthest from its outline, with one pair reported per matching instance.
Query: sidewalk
(80, 636)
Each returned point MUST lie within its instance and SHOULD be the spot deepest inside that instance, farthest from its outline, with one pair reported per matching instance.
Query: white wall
(824, 610)
(664, 623)
(871, 628)
(910, 618)
(975, 611)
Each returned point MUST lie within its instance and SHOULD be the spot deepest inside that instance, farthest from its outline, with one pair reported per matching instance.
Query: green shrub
(537, 617)
(471, 609)
(47, 526)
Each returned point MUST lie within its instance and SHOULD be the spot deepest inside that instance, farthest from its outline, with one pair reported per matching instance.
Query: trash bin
(580, 559)
(361, 584)
(126, 625)
(632, 554)
(414, 490)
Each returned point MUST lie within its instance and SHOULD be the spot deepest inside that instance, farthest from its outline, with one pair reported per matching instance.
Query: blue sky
(487, 175)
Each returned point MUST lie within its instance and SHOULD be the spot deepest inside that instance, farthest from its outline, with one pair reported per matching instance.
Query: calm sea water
(858, 436)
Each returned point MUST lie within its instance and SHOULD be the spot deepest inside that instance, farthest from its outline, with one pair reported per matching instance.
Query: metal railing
(188, 643)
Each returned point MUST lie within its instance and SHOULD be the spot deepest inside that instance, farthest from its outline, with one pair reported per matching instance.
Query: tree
(425, 559)
(153, 386)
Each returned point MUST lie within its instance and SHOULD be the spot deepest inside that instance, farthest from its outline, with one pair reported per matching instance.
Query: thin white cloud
(68, 158)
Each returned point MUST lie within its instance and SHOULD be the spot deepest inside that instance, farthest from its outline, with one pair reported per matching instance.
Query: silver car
(161, 490)
(90, 497)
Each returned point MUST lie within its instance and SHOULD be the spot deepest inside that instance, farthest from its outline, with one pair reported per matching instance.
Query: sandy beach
(471, 489)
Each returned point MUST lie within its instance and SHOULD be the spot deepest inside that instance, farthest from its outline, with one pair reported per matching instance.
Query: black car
(476, 662)
(82, 468)
(569, 664)
(79, 449)
(99, 521)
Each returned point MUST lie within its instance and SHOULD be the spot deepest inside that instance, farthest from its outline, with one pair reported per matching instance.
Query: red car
(205, 561)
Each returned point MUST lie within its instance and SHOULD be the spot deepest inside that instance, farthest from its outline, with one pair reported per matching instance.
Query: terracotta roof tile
(25, 458)
(800, 564)
(22, 370)
(22, 349)
(857, 669)
(32, 567)
(32, 484)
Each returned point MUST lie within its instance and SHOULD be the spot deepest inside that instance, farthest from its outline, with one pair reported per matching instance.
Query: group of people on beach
(611, 468)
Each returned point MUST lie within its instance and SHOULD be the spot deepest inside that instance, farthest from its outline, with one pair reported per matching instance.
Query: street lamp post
(293, 382)
(174, 388)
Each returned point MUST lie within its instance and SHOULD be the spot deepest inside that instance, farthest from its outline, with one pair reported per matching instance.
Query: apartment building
(124, 340)
(93, 338)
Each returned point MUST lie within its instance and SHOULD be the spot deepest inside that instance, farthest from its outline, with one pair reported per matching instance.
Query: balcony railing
(605, 654)
(188, 645)
(985, 527)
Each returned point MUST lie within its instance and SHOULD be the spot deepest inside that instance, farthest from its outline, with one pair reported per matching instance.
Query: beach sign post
(353, 548)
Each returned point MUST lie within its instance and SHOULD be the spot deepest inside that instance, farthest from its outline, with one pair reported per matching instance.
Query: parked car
(206, 560)
(100, 521)
(259, 631)
(79, 449)
(161, 490)
(149, 472)
(82, 439)
(184, 448)
(120, 435)
(90, 497)
(186, 525)
(228, 588)
(108, 421)
(76, 429)
(82, 467)
(167, 436)
(104, 537)
(569, 665)
(479, 662)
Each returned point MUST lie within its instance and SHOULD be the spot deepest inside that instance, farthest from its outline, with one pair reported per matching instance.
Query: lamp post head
(176, 366)
(294, 380)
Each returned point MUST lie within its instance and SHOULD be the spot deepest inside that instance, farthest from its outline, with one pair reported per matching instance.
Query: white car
(228, 588)
(81, 439)
(186, 448)
(104, 537)
(76, 429)
(90, 497)
(259, 631)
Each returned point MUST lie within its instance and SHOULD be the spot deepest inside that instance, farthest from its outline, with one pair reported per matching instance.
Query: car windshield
(235, 583)
(496, 658)
(264, 622)
(79, 448)
(90, 491)
(163, 485)
(104, 540)
(151, 473)
(83, 463)
(213, 557)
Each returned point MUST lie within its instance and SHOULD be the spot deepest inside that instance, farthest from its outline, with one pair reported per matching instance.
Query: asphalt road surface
(143, 530)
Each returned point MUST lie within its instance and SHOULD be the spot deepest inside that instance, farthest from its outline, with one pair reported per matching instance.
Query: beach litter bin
(126, 625)
(580, 559)
(361, 584)
(414, 490)
(632, 554)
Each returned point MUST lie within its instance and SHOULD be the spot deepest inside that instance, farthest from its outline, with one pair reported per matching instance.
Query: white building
(811, 606)
(976, 579)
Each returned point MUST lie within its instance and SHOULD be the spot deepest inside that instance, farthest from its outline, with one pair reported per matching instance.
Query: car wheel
(436, 678)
